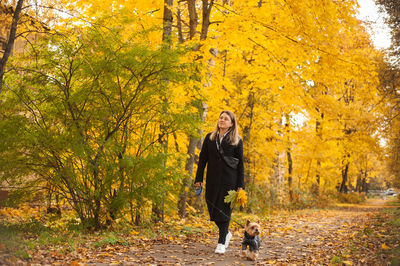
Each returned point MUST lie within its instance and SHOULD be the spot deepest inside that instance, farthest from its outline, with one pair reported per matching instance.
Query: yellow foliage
(236, 198)
(242, 198)
(309, 62)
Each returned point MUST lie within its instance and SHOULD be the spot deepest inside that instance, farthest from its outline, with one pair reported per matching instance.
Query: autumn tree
(301, 67)
(389, 76)
(392, 8)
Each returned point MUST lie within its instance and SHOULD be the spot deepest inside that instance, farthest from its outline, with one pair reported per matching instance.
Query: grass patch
(189, 230)
(336, 260)
(24, 239)
(394, 223)
(368, 231)
(110, 238)
(396, 256)
(19, 239)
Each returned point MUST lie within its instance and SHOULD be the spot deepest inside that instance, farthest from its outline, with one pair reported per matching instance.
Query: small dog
(252, 240)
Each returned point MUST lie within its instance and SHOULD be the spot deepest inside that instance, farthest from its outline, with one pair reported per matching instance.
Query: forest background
(104, 106)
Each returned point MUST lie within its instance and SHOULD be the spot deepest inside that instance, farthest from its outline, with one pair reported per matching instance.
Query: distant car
(390, 191)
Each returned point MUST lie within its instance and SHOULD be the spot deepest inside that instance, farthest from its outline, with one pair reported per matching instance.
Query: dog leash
(230, 218)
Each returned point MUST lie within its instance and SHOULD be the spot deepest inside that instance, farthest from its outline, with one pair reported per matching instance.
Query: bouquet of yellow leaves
(236, 198)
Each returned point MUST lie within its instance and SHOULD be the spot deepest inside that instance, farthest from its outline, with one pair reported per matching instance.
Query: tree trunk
(183, 197)
(138, 218)
(167, 21)
(206, 18)
(318, 130)
(364, 184)
(246, 139)
(158, 208)
(345, 170)
(193, 142)
(290, 174)
(359, 181)
(193, 19)
(179, 24)
(10, 41)
(188, 179)
(289, 158)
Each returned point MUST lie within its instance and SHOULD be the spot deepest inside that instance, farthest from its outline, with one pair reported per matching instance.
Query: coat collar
(219, 140)
(226, 133)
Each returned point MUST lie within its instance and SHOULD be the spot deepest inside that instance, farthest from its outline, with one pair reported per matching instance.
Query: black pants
(223, 231)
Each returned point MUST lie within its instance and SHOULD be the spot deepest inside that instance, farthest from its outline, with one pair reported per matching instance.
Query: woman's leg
(223, 231)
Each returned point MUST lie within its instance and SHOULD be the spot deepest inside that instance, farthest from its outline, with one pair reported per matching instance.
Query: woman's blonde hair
(233, 135)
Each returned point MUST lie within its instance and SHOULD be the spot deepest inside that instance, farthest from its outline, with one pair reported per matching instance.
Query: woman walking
(222, 152)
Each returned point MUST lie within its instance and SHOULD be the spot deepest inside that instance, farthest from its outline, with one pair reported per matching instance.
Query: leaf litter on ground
(344, 235)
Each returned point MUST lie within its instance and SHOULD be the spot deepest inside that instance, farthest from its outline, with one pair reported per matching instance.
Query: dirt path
(342, 235)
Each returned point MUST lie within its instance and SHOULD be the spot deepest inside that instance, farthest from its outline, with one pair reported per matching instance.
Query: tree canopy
(106, 108)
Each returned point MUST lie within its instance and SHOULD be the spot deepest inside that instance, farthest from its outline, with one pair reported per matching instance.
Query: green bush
(98, 141)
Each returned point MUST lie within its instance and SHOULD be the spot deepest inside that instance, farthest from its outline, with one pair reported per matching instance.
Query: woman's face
(224, 121)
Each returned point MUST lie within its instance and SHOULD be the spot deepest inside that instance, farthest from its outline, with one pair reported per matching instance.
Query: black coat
(220, 177)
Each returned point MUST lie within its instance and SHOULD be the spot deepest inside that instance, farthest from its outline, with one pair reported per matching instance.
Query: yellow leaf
(242, 198)
(348, 262)
(134, 233)
(384, 246)
(231, 197)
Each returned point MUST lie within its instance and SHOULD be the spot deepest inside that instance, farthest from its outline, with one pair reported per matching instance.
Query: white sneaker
(227, 239)
(220, 249)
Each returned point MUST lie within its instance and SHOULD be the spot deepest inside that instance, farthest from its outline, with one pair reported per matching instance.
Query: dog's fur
(252, 240)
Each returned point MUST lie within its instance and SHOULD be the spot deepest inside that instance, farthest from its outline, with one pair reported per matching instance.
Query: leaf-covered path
(350, 235)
